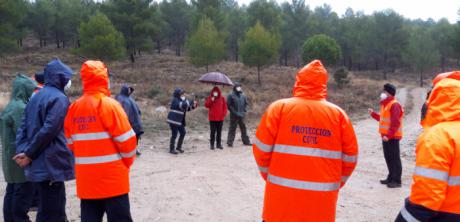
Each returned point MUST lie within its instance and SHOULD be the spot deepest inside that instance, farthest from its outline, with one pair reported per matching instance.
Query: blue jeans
(174, 131)
(17, 201)
(52, 201)
(117, 209)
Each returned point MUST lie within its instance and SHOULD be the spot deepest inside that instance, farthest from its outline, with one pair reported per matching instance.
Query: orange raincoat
(435, 192)
(305, 149)
(100, 136)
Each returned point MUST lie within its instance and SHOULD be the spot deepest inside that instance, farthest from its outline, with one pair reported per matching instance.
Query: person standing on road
(306, 149)
(41, 144)
(180, 105)
(217, 111)
(435, 191)
(104, 144)
(132, 110)
(390, 128)
(19, 192)
(237, 104)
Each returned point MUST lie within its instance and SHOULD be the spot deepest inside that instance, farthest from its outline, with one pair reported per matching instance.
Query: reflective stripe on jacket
(305, 149)
(100, 136)
(435, 192)
(385, 119)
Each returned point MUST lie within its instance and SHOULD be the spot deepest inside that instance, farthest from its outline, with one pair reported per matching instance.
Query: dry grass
(154, 78)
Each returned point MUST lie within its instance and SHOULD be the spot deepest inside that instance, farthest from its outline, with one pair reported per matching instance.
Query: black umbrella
(216, 78)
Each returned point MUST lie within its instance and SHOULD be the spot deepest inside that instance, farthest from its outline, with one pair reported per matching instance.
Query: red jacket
(396, 112)
(217, 107)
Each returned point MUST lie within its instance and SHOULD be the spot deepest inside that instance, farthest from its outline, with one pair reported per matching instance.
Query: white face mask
(215, 94)
(68, 85)
(182, 97)
(383, 96)
(238, 89)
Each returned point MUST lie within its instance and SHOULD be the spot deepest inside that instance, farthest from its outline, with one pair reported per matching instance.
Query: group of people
(305, 147)
(236, 103)
(306, 150)
(47, 141)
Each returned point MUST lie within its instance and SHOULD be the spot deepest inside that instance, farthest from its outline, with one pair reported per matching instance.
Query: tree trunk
(139, 52)
(237, 51)
(158, 47)
(421, 78)
(63, 44)
(258, 75)
(78, 43)
(350, 63)
(41, 43)
(285, 60)
(443, 63)
(207, 70)
(58, 44)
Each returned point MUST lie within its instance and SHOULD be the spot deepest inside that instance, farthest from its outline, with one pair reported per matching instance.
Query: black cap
(390, 88)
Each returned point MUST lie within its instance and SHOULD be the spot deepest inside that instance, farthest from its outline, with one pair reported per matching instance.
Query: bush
(153, 92)
(99, 39)
(321, 47)
(341, 77)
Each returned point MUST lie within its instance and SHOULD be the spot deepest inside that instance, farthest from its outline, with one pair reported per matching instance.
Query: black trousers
(17, 201)
(174, 131)
(392, 158)
(234, 122)
(216, 132)
(117, 209)
(52, 201)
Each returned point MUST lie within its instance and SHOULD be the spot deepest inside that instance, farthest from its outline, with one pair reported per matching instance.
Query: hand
(22, 160)
(370, 111)
(385, 138)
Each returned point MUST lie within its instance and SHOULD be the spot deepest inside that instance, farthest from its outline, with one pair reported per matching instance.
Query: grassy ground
(154, 78)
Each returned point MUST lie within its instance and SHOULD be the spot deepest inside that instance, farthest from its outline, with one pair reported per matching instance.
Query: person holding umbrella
(217, 111)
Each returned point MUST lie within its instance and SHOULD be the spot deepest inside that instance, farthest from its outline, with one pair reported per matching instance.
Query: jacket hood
(125, 90)
(178, 92)
(311, 81)
(443, 103)
(450, 75)
(216, 89)
(23, 87)
(95, 77)
(57, 74)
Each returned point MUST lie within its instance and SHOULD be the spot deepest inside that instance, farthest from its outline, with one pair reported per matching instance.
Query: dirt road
(205, 185)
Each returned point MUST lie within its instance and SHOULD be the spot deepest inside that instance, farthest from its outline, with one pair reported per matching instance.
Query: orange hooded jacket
(305, 149)
(100, 136)
(435, 192)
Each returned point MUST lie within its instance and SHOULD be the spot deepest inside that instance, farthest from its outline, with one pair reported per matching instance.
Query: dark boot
(171, 148)
(179, 144)
(393, 185)
(219, 146)
(212, 146)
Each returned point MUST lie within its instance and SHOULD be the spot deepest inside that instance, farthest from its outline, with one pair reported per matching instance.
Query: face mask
(215, 94)
(238, 89)
(182, 97)
(383, 96)
(68, 85)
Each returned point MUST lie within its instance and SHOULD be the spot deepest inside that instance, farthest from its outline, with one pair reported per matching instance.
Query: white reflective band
(128, 155)
(407, 216)
(126, 136)
(69, 141)
(349, 159)
(454, 181)
(90, 136)
(308, 151)
(174, 122)
(303, 185)
(262, 146)
(263, 169)
(431, 173)
(97, 159)
(180, 105)
(344, 179)
(178, 112)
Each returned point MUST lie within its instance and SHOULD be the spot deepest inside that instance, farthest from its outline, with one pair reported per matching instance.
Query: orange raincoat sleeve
(435, 157)
(266, 137)
(349, 148)
(67, 130)
(115, 120)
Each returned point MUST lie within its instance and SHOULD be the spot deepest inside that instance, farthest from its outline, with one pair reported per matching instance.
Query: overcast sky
(412, 9)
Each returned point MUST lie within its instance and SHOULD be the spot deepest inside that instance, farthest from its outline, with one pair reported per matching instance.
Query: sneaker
(385, 181)
(393, 185)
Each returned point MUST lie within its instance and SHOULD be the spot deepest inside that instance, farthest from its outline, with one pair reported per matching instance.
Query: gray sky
(412, 9)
